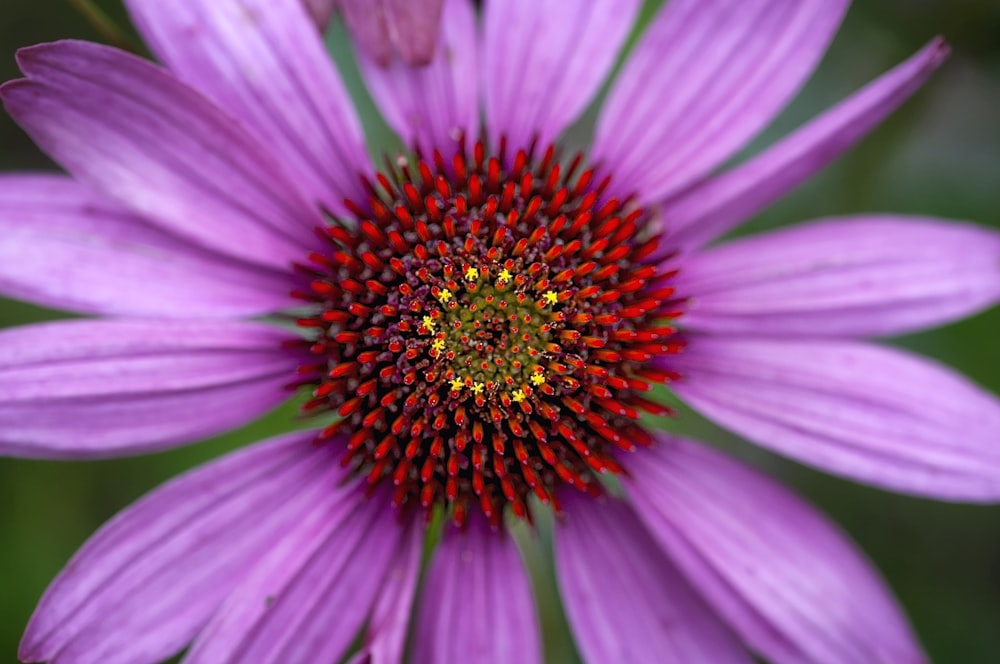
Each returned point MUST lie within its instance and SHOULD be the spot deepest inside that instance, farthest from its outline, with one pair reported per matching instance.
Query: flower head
(556, 357)
(479, 326)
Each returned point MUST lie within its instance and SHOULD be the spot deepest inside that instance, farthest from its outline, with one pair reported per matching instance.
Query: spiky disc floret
(483, 333)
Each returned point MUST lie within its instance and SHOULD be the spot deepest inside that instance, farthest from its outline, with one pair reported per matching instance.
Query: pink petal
(851, 277)
(248, 603)
(476, 606)
(545, 61)
(708, 210)
(83, 389)
(624, 599)
(153, 144)
(703, 80)
(142, 587)
(318, 613)
(387, 28)
(874, 414)
(385, 635)
(264, 62)
(65, 246)
(785, 578)
(431, 107)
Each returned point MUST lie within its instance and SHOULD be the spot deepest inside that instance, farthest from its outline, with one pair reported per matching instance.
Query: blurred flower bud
(386, 29)
(321, 11)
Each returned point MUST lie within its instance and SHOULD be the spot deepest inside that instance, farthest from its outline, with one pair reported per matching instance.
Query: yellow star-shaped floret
(429, 322)
(457, 384)
(505, 275)
(477, 388)
(438, 344)
(444, 295)
(472, 273)
(551, 297)
(537, 379)
(518, 396)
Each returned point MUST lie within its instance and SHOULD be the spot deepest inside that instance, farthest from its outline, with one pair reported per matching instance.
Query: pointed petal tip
(24, 54)
(29, 651)
(708, 210)
(938, 49)
(24, 57)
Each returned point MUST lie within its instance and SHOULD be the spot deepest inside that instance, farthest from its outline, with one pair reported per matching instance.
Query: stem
(104, 25)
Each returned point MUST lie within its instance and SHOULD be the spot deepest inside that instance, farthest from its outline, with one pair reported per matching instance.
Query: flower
(480, 327)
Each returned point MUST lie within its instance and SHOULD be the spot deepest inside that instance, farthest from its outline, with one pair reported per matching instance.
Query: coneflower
(478, 327)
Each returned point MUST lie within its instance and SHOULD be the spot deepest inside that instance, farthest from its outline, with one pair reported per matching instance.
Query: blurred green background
(940, 155)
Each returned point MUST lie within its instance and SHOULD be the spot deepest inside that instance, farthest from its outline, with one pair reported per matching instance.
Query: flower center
(483, 332)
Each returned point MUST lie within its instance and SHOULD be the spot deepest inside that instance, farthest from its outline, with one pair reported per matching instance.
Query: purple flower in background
(477, 329)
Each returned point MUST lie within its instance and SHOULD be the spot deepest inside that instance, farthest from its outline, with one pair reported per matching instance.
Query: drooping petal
(708, 210)
(624, 599)
(264, 61)
(308, 604)
(387, 28)
(476, 606)
(872, 275)
(137, 134)
(65, 246)
(786, 579)
(874, 414)
(544, 61)
(435, 105)
(702, 81)
(142, 587)
(84, 389)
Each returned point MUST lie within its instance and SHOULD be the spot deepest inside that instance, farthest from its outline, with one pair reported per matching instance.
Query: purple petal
(624, 599)
(84, 389)
(264, 61)
(866, 276)
(703, 80)
(786, 579)
(386, 28)
(385, 635)
(476, 606)
(246, 606)
(544, 63)
(153, 144)
(432, 107)
(64, 246)
(142, 587)
(707, 211)
(874, 414)
(318, 613)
